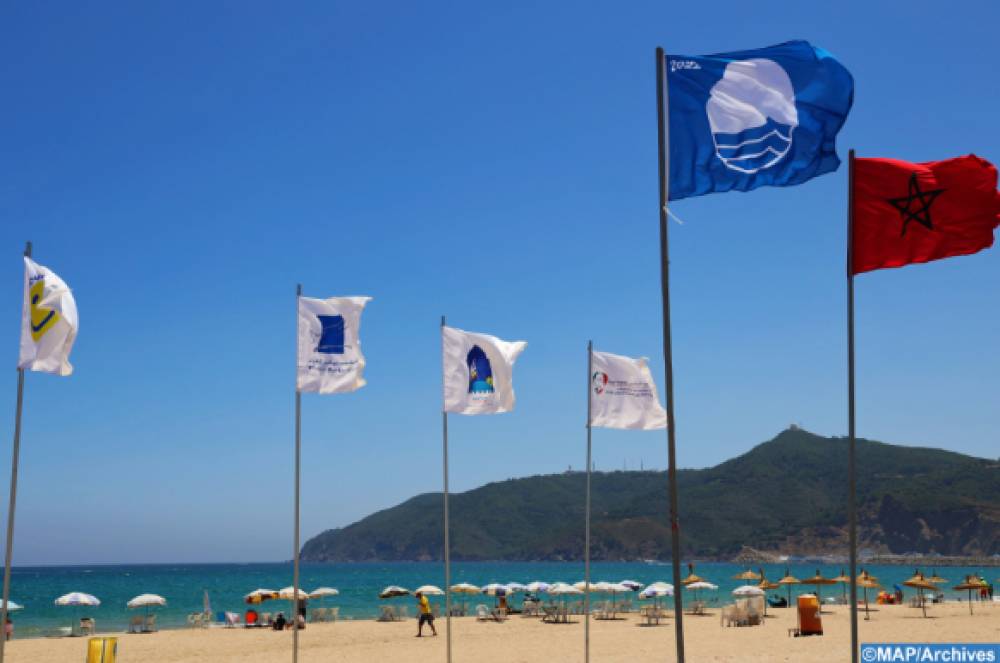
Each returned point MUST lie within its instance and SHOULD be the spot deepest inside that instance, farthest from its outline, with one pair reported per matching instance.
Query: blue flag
(754, 118)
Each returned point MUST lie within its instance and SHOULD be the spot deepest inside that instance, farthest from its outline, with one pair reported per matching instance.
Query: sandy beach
(526, 639)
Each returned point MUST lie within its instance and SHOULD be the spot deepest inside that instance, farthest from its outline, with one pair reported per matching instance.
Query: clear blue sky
(183, 165)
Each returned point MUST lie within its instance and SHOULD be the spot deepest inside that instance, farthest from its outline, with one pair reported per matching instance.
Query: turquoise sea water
(183, 585)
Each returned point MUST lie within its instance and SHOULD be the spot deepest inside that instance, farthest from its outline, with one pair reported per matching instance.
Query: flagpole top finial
(27, 248)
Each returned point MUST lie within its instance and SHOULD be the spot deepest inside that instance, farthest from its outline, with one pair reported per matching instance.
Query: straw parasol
(867, 582)
(936, 579)
(691, 578)
(788, 581)
(920, 583)
(818, 581)
(765, 585)
(845, 579)
(970, 583)
(747, 575)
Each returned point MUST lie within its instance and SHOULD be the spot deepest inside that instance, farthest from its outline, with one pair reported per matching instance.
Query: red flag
(917, 212)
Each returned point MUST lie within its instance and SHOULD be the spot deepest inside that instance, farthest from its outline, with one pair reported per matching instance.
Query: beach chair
(402, 612)
(149, 624)
(87, 626)
(482, 613)
(332, 614)
(232, 619)
(550, 613)
(135, 624)
(317, 614)
(193, 619)
(265, 619)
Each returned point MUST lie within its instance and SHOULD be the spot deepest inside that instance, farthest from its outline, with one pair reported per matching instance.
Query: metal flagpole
(298, 458)
(13, 497)
(447, 547)
(852, 508)
(586, 538)
(668, 368)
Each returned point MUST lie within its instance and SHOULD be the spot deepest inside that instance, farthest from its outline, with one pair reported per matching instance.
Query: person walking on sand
(426, 616)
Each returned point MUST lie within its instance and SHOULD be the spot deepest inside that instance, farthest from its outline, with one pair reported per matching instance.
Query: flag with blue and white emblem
(329, 353)
(754, 118)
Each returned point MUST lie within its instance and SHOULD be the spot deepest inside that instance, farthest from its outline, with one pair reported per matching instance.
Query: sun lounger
(317, 614)
(135, 624)
(232, 619)
(332, 614)
(387, 615)
(149, 624)
(265, 619)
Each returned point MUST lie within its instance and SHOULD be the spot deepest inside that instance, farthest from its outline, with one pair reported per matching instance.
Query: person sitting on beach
(425, 615)
(279, 622)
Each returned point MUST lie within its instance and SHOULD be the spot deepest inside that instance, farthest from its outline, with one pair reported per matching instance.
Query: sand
(526, 639)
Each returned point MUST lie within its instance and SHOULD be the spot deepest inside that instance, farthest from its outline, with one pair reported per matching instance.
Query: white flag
(478, 372)
(623, 394)
(49, 321)
(329, 355)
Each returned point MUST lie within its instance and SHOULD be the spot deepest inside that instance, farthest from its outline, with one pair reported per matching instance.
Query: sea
(184, 585)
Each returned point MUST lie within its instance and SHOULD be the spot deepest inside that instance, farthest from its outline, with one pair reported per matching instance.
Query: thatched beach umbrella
(788, 581)
(818, 581)
(936, 579)
(691, 578)
(766, 585)
(920, 583)
(845, 580)
(747, 575)
(971, 583)
(867, 582)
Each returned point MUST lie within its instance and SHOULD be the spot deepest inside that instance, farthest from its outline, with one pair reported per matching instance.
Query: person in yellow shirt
(426, 616)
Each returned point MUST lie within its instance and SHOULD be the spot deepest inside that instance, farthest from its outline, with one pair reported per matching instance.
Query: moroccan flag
(917, 212)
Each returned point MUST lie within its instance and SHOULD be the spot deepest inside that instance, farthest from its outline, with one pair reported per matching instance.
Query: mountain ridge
(786, 495)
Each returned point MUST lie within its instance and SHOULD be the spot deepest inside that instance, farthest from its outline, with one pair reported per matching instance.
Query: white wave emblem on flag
(752, 113)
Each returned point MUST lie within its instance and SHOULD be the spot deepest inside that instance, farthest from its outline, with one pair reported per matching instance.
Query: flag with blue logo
(478, 372)
(754, 118)
(329, 353)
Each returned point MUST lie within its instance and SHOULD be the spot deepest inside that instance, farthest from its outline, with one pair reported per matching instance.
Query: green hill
(788, 495)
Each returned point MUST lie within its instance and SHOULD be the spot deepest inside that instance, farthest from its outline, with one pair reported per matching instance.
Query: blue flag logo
(754, 118)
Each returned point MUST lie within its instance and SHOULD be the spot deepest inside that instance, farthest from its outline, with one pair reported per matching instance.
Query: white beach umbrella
(320, 592)
(537, 586)
(393, 591)
(652, 592)
(288, 593)
(748, 590)
(582, 586)
(429, 590)
(465, 588)
(632, 585)
(662, 585)
(12, 607)
(516, 587)
(495, 589)
(701, 584)
(78, 598)
(146, 601)
(562, 589)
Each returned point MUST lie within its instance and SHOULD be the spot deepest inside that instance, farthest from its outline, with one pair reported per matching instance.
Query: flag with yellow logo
(49, 321)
